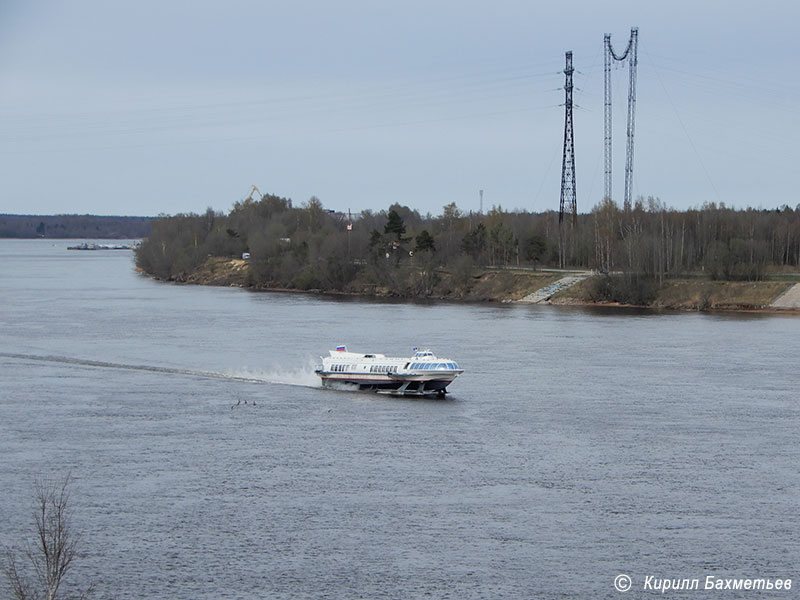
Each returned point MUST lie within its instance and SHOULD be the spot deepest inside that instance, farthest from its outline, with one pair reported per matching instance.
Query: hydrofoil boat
(422, 374)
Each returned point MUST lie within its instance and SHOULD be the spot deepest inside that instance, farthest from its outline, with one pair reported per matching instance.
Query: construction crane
(254, 189)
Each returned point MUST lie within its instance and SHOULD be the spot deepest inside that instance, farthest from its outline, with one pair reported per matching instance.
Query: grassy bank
(510, 285)
(693, 294)
(487, 285)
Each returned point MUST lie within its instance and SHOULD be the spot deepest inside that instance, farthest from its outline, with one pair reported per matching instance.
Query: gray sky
(148, 107)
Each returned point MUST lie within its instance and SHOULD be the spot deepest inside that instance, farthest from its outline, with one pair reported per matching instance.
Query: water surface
(207, 463)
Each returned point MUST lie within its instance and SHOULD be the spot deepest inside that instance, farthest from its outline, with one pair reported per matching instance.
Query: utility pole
(349, 229)
(632, 63)
(631, 55)
(481, 204)
(568, 195)
(607, 113)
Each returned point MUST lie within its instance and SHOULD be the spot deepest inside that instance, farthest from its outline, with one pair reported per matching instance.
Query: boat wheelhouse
(422, 374)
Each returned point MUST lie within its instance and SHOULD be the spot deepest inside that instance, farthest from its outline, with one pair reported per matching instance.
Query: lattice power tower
(568, 197)
(610, 57)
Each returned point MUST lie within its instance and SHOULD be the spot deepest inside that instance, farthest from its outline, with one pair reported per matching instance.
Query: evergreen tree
(395, 226)
(425, 242)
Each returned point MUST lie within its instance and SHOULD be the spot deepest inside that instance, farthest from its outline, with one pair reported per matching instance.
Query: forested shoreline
(73, 227)
(397, 251)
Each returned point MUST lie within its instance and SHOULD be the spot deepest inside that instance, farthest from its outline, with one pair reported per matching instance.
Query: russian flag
(341, 348)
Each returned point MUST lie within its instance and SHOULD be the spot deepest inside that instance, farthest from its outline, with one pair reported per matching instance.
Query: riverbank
(514, 285)
(701, 295)
(487, 285)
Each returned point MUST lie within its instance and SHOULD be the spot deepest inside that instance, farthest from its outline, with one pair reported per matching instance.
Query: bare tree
(50, 555)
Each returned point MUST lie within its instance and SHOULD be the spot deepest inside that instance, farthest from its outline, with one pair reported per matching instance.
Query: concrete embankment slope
(790, 299)
(544, 294)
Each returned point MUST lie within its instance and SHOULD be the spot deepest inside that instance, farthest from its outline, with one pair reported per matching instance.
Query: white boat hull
(422, 374)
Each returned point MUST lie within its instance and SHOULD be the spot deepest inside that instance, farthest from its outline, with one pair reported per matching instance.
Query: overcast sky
(158, 106)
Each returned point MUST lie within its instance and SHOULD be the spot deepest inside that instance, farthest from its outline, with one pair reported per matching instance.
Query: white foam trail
(343, 386)
(303, 376)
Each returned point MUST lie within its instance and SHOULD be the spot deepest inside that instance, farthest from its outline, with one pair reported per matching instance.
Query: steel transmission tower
(568, 196)
(630, 55)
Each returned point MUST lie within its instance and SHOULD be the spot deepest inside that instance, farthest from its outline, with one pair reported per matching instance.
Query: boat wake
(302, 377)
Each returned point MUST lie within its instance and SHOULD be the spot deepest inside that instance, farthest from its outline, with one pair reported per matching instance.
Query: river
(206, 461)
